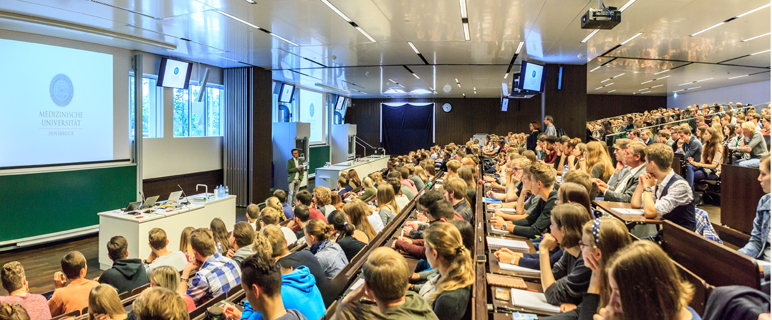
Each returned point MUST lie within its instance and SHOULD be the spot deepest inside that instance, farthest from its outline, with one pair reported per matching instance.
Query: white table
(135, 228)
(328, 176)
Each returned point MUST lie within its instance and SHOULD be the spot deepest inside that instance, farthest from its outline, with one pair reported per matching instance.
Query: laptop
(149, 202)
(133, 206)
(174, 198)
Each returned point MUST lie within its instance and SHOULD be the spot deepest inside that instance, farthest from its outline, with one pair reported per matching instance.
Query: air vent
(124, 9)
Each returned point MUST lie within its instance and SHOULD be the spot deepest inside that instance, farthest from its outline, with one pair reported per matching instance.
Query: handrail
(365, 143)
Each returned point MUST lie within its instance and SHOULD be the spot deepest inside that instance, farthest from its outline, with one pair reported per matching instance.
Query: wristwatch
(504, 227)
(184, 279)
(512, 261)
(647, 189)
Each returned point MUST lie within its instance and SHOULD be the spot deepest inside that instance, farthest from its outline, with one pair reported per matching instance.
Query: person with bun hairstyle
(13, 311)
(103, 304)
(346, 236)
(667, 298)
(451, 290)
(330, 254)
(566, 281)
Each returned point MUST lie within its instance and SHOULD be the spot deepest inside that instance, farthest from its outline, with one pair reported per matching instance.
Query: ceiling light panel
(633, 37)
(519, 46)
(756, 37)
(626, 5)
(589, 36)
(413, 47)
(335, 9)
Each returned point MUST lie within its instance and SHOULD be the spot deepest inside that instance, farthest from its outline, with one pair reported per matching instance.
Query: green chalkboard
(43, 203)
(318, 157)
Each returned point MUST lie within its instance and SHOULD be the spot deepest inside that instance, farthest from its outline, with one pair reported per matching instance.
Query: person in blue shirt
(758, 246)
(282, 196)
(298, 291)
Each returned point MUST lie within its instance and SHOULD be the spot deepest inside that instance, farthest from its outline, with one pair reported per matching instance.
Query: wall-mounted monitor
(174, 73)
(532, 77)
(285, 95)
(504, 105)
(340, 103)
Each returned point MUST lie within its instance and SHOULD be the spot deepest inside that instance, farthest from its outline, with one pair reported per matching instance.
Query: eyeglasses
(582, 245)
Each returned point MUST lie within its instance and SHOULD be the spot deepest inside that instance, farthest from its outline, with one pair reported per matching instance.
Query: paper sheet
(489, 200)
(637, 212)
(533, 301)
(519, 269)
(514, 245)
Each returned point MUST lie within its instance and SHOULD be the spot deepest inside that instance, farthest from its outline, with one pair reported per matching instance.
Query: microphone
(143, 197)
(183, 193)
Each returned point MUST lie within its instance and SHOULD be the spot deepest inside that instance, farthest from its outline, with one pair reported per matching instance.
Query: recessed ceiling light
(362, 31)
(617, 76)
(605, 80)
(466, 31)
(237, 19)
(519, 46)
(590, 35)
(663, 71)
(745, 75)
(657, 86)
(414, 48)
(626, 5)
(456, 80)
(285, 40)
(645, 92)
(704, 80)
(506, 75)
(416, 76)
(462, 3)
(644, 89)
(633, 37)
(753, 54)
(608, 84)
(598, 88)
(678, 90)
(754, 10)
(663, 78)
(693, 88)
(336, 10)
(612, 91)
(756, 37)
(711, 27)
(596, 68)
(645, 82)
(683, 84)
(459, 85)
(251, 1)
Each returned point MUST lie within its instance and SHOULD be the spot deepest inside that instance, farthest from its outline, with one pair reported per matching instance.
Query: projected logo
(311, 110)
(533, 74)
(61, 90)
(176, 70)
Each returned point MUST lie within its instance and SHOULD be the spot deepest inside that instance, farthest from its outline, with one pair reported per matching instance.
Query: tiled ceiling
(313, 45)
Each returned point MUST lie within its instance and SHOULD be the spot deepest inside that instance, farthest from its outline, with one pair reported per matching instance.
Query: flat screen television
(504, 105)
(531, 77)
(340, 103)
(287, 90)
(174, 73)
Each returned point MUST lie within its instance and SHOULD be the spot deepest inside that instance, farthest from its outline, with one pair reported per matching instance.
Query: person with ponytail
(452, 289)
(330, 254)
(645, 284)
(566, 281)
(601, 238)
(345, 235)
(369, 191)
(13, 311)
(363, 218)
(387, 204)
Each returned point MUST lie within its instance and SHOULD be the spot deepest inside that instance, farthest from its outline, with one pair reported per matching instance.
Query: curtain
(235, 138)
(407, 127)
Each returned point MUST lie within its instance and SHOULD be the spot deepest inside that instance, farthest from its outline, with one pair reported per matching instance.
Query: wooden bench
(740, 194)
(69, 314)
(201, 310)
(715, 263)
(139, 290)
(479, 300)
(701, 289)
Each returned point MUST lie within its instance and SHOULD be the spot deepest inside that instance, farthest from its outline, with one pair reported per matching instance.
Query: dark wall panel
(262, 150)
(568, 106)
(163, 186)
(601, 106)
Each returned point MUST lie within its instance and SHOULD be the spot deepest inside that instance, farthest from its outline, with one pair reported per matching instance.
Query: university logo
(61, 90)
(176, 70)
(311, 110)
(533, 74)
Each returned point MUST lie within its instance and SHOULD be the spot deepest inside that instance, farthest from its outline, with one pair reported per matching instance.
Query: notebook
(489, 200)
(514, 245)
(533, 301)
(638, 212)
(498, 231)
(504, 281)
(524, 271)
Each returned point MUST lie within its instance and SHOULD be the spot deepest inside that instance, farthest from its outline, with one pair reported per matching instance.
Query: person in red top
(440, 210)
(304, 197)
(14, 280)
(549, 145)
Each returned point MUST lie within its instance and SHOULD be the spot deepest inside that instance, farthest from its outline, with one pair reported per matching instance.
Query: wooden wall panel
(262, 150)
(163, 186)
(601, 106)
(568, 106)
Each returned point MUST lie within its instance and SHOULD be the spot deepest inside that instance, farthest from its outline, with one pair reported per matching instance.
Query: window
(152, 110)
(198, 119)
(313, 110)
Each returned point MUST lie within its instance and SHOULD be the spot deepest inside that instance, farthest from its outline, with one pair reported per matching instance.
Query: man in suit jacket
(635, 157)
(646, 137)
(295, 172)
(622, 170)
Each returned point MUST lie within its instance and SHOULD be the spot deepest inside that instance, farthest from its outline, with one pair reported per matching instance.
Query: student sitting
(160, 256)
(13, 311)
(634, 157)
(753, 144)
(597, 161)
(664, 299)
(169, 278)
(220, 233)
(438, 211)
(305, 198)
(214, 273)
(551, 152)
(387, 204)
(103, 303)
(241, 242)
(343, 187)
(370, 191)
(538, 179)
(126, 274)
(293, 260)
(75, 295)
(404, 176)
(449, 293)
(300, 221)
(453, 167)
(160, 303)
(346, 236)
(253, 214)
(363, 218)
(455, 193)
(330, 254)
(712, 156)
(298, 287)
(394, 179)
(566, 281)
(285, 207)
(758, 246)
(414, 176)
(270, 216)
(671, 198)
(15, 282)
(466, 173)
(386, 278)
(323, 201)
(353, 179)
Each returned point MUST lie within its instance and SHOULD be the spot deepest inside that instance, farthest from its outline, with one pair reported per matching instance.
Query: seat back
(202, 308)
(701, 289)
(139, 290)
(69, 314)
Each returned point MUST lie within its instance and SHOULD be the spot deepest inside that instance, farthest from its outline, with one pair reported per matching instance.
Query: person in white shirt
(634, 157)
(160, 256)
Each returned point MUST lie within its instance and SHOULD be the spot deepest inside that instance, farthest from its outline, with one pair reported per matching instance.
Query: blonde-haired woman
(185, 242)
(330, 255)
(370, 190)
(448, 293)
(323, 200)
(387, 204)
(377, 178)
(104, 304)
(597, 161)
(273, 202)
(362, 218)
(169, 278)
(420, 173)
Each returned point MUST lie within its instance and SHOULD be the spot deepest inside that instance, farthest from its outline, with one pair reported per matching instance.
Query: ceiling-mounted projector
(606, 18)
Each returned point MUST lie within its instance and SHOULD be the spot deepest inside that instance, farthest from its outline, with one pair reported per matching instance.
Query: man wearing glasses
(634, 157)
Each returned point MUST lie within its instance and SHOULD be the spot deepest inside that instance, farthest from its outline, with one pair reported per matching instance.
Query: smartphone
(481, 258)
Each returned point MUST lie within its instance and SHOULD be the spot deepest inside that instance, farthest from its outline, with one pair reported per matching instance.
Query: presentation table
(328, 176)
(198, 214)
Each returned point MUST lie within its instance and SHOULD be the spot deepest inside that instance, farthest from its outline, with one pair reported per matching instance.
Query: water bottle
(217, 192)
(227, 193)
(563, 177)
(219, 248)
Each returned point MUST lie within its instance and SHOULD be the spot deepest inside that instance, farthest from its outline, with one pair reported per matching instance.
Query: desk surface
(626, 218)
(159, 212)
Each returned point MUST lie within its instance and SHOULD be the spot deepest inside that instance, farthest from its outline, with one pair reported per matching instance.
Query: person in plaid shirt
(214, 273)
